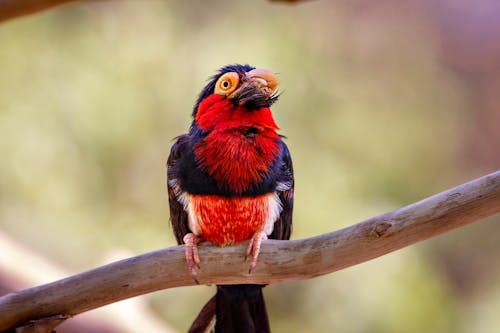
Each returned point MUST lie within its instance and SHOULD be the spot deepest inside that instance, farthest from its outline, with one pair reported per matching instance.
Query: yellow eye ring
(227, 83)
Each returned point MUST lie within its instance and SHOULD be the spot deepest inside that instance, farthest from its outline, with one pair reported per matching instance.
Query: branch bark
(15, 8)
(10, 9)
(278, 261)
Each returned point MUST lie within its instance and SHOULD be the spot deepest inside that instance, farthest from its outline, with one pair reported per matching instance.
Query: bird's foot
(192, 258)
(253, 249)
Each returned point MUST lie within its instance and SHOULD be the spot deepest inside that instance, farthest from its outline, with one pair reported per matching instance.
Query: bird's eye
(227, 83)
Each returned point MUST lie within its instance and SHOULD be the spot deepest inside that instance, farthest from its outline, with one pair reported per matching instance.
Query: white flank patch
(193, 221)
(275, 209)
(183, 198)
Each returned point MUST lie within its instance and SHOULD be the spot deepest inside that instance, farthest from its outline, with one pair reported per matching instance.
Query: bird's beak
(267, 80)
(257, 89)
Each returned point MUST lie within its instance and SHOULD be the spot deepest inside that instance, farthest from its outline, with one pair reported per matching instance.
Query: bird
(230, 180)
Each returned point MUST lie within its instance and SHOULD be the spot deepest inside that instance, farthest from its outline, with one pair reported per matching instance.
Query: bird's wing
(178, 216)
(283, 226)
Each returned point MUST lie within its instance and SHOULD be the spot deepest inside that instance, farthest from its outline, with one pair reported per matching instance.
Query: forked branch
(278, 261)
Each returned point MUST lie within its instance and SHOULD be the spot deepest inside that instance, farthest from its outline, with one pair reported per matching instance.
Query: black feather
(241, 308)
(178, 216)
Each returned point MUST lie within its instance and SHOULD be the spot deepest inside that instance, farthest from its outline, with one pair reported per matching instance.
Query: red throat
(217, 111)
(235, 159)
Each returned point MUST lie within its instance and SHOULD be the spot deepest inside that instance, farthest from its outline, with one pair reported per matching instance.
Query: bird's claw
(253, 249)
(192, 258)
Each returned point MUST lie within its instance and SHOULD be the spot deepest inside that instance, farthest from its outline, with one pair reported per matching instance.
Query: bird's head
(236, 91)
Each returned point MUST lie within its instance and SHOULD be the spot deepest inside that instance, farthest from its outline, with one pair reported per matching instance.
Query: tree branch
(10, 9)
(278, 261)
(14, 8)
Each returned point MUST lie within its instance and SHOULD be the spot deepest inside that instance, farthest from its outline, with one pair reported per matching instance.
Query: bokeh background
(383, 103)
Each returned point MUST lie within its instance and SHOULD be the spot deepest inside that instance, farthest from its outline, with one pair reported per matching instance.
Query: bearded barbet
(230, 180)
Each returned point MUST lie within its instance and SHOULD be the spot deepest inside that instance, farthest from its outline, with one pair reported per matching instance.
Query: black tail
(241, 308)
(238, 308)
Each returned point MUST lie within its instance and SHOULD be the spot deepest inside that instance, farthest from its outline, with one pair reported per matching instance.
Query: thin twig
(278, 261)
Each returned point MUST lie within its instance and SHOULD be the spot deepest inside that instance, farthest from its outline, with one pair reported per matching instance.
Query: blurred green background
(383, 104)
